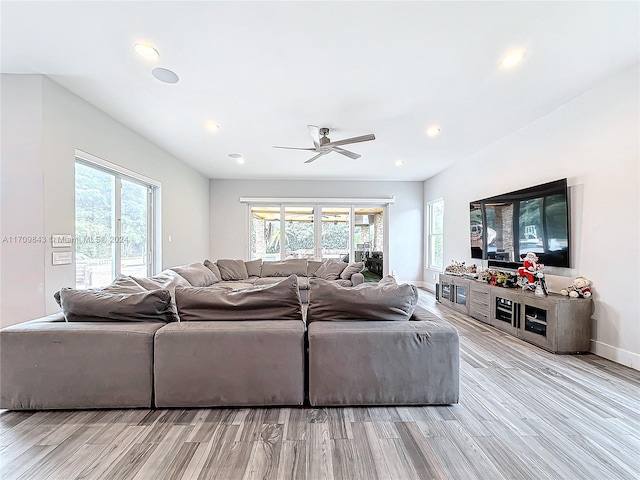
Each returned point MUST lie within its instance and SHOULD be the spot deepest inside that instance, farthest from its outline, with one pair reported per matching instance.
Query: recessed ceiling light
(512, 58)
(433, 131)
(212, 126)
(164, 75)
(399, 163)
(147, 51)
(239, 158)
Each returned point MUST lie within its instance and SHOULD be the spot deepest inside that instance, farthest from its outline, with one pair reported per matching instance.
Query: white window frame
(154, 214)
(430, 234)
(318, 203)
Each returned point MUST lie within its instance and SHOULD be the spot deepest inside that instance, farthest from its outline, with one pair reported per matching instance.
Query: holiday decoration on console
(581, 287)
(532, 275)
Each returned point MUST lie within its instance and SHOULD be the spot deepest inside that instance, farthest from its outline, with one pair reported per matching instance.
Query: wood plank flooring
(523, 414)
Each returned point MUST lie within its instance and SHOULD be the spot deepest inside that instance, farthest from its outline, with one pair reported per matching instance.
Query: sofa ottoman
(230, 363)
(362, 362)
(51, 364)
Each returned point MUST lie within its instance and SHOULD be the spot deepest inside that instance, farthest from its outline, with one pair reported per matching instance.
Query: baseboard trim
(417, 283)
(615, 354)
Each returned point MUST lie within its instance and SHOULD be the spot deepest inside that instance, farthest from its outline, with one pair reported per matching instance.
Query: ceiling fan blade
(297, 148)
(317, 156)
(315, 135)
(363, 138)
(346, 153)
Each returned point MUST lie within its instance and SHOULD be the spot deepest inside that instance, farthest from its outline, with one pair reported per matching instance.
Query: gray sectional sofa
(229, 346)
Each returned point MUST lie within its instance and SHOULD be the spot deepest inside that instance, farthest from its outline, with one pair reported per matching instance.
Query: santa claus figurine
(530, 267)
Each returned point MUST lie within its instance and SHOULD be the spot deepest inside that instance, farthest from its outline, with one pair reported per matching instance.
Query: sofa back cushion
(99, 305)
(254, 267)
(214, 268)
(294, 266)
(330, 270)
(352, 268)
(232, 269)
(196, 274)
(121, 284)
(388, 301)
(279, 301)
(313, 266)
(168, 279)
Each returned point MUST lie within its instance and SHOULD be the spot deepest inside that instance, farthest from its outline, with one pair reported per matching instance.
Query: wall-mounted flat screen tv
(536, 219)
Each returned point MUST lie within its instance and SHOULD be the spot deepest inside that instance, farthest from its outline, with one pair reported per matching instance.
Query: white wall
(593, 141)
(230, 225)
(42, 125)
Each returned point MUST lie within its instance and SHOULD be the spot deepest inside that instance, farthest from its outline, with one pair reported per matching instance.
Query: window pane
(265, 232)
(300, 235)
(335, 232)
(134, 229)
(437, 216)
(95, 226)
(437, 251)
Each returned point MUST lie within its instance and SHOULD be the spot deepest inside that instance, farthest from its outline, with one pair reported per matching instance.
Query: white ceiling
(265, 70)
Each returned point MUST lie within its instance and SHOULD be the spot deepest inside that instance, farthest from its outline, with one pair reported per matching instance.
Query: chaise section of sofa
(52, 364)
(383, 363)
(232, 348)
(230, 363)
(371, 345)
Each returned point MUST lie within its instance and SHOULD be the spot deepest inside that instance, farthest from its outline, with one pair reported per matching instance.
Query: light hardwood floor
(523, 414)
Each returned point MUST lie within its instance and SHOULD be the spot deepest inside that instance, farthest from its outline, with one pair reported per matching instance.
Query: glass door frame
(154, 241)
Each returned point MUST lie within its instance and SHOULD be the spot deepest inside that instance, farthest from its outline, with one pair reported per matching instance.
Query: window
(114, 223)
(435, 248)
(318, 231)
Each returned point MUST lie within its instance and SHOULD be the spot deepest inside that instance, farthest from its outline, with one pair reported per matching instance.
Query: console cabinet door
(538, 321)
(461, 295)
(446, 291)
(505, 307)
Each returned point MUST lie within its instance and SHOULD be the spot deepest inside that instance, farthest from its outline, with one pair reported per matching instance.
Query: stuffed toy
(581, 287)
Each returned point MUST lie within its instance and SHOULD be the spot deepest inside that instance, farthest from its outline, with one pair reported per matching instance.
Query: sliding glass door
(114, 225)
(319, 231)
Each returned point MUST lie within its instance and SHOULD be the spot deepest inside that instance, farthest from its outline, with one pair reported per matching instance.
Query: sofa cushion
(232, 269)
(196, 274)
(254, 267)
(280, 301)
(330, 270)
(352, 268)
(294, 266)
(121, 284)
(214, 268)
(100, 306)
(312, 267)
(329, 301)
(168, 279)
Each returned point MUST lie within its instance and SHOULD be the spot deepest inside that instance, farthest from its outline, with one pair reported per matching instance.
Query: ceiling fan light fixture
(433, 131)
(146, 51)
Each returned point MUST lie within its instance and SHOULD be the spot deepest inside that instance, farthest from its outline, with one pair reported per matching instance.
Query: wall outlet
(393, 273)
(435, 276)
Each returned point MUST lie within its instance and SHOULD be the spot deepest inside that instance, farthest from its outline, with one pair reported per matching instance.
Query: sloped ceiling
(263, 71)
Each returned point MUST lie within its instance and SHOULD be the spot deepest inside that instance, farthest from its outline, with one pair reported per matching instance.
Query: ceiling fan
(323, 144)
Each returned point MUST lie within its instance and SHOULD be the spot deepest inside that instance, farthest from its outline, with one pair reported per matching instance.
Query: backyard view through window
(346, 233)
(113, 225)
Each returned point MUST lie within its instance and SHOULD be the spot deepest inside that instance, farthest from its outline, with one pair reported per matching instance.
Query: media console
(556, 323)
